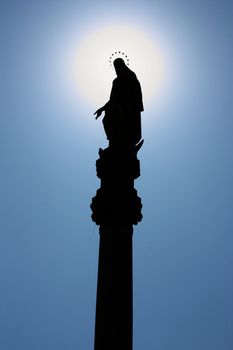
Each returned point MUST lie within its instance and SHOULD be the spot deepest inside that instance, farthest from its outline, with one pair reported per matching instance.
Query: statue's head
(120, 67)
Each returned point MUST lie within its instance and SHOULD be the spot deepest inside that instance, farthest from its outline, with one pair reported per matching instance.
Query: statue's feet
(138, 145)
(121, 145)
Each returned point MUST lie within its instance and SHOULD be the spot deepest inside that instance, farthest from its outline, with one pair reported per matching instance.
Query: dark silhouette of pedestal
(116, 208)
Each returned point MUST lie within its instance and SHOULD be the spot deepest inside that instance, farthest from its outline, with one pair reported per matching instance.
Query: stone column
(116, 208)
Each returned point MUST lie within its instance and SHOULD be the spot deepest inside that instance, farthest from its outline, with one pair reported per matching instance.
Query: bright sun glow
(93, 73)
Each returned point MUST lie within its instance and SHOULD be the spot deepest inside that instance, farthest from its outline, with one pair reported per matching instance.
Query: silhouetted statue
(115, 209)
(122, 120)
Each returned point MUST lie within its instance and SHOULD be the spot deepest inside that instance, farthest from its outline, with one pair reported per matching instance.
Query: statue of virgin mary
(122, 120)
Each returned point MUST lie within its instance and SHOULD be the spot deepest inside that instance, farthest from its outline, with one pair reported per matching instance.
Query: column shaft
(114, 305)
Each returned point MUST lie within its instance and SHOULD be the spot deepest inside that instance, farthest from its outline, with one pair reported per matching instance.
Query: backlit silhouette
(116, 208)
(122, 120)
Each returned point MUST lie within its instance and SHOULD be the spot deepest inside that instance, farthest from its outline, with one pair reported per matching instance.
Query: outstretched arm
(101, 110)
(98, 112)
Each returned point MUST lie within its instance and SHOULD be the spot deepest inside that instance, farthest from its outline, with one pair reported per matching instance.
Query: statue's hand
(98, 113)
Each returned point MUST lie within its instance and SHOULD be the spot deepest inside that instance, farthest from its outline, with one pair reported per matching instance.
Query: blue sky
(183, 258)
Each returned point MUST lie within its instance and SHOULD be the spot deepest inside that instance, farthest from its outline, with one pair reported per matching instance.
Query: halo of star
(118, 54)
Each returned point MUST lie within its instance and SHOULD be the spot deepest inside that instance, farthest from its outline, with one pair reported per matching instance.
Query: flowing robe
(122, 120)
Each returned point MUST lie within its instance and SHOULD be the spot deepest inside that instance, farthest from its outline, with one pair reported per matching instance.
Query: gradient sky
(183, 262)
